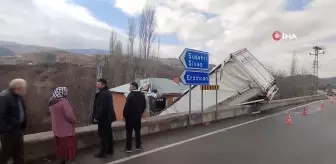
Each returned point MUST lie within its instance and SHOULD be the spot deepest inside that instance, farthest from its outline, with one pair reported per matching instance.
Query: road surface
(258, 139)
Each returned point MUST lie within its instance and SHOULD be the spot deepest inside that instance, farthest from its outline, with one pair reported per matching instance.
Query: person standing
(133, 110)
(103, 115)
(63, 125)
(12, 122)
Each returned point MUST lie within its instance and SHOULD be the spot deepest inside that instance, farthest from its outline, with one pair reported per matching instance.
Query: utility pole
(317, 51)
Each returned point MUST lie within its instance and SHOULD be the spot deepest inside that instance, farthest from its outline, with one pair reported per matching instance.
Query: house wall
(119, 101)
(170, 98)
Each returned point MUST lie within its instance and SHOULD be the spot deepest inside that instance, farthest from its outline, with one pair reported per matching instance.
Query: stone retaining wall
(41, 145)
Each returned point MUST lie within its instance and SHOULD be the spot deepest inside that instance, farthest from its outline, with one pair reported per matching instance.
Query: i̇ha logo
(277, 35)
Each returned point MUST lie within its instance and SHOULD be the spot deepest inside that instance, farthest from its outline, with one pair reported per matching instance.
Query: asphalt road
(258, 139)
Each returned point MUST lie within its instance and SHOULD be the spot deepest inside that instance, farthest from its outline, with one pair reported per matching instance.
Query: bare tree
(147, 26)
(99, 67)
(118, 50)
(293, 86)
(293, 67)
(50, 58)
(304, 71)
(113, 42)
(132, 65)
(131, 36)
(107, 66)
(107, 71)
(280, 73)
(270, 69)
(158, 48)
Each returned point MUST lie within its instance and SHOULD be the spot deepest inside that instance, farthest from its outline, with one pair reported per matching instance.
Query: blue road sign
(194, 59)
(195, 78)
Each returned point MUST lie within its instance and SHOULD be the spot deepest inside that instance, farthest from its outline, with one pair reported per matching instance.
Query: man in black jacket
(133, 110)
(12, 122)
(103, 115)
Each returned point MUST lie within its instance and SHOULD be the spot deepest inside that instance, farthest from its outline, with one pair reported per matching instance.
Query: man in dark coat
(12, 122)
(103, 115)
(133, 110)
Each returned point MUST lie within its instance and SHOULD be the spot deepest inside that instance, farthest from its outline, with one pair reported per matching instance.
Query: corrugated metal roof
(165, 86)
(162, 85)
(121, 89)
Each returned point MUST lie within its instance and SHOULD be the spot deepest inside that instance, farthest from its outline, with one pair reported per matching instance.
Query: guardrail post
(202, 104)
(216, 98)
(189, 118)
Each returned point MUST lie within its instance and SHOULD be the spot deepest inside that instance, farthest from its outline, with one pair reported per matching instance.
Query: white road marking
(201, 136)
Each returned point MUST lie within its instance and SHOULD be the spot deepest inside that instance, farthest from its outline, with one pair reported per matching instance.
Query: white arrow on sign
(182, 77)
(182, 57)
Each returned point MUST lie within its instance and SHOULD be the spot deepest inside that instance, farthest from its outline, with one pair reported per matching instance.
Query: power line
(317, 51)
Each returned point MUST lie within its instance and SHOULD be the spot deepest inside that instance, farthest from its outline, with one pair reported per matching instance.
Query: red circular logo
(277, 35)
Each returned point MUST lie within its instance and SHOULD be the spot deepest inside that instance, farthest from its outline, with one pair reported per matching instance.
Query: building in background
(160, 92)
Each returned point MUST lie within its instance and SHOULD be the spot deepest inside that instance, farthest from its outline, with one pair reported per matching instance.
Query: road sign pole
(196, 65)
(216, 97)
(202, 104)
(189, 118)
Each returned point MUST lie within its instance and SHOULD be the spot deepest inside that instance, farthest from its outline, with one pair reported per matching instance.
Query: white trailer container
(241, 78)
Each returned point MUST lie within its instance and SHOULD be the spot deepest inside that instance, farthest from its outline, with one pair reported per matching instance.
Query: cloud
(237, 24)
(217, 26)
(58, 23)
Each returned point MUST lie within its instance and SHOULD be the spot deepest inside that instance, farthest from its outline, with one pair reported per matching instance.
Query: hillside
(6, 52)
(325, 81)
(38, 51)
(41, 81)
(78, 72)
(64, 69)
(88, 51)
(294, 86)
(23, 48)
(48, 57)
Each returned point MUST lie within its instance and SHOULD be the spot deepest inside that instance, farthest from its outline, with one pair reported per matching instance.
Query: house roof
(166, 86)
(121, 89)
(162, 85)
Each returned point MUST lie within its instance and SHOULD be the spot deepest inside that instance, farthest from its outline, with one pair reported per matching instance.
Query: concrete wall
(292, 101)
(42, 144)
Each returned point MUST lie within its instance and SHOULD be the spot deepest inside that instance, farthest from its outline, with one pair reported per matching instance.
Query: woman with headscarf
(63, 125)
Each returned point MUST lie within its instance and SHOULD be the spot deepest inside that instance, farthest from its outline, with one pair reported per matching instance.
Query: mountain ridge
(12, 49)
(19, 48)
(6, 52)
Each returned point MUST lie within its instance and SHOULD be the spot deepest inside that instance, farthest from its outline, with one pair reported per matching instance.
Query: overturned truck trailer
(242, 79)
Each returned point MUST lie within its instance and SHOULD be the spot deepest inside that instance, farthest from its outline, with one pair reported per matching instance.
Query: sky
(219, 27)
